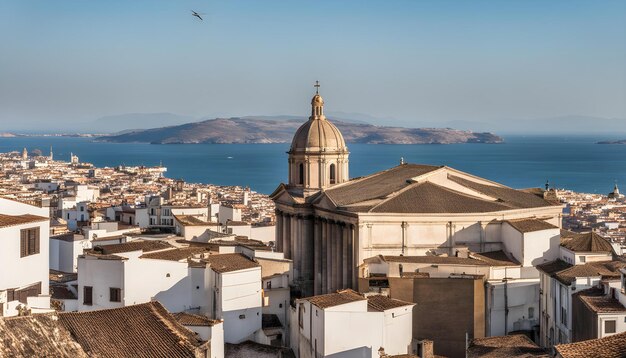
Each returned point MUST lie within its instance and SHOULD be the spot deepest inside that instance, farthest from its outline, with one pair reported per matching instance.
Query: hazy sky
(71, 60)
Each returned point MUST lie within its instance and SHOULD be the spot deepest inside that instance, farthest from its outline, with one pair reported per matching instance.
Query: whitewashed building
(25, 258)
(347, 324)
(584, 262)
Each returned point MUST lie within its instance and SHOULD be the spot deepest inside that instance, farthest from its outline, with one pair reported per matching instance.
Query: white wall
(240, 294)
(101, 275)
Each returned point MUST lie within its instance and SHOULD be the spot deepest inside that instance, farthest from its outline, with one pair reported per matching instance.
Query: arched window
(401, 269)
(332, 174)
(301, 174)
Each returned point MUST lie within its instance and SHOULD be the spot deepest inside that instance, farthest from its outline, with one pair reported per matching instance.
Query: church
(328, 223)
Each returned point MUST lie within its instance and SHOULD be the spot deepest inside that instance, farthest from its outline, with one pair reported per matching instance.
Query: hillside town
(412, 261)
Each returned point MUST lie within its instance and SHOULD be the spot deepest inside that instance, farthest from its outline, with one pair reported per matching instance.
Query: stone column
(317, 257)
(286, 236)
(279, 231)
(346, 281)
(353, 257)
(325, 262)
(338, 255)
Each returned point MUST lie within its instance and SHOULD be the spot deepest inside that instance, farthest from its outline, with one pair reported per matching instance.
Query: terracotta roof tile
(530, 225)
(495, 258)
(517, 345)
(189, 319)
(145, 246)
(335, 299)
(595, 299)
(39, 335)
(613, 346)
(13, 220)
(588, 242)
(141, 330)
(221, 263)
(383, 303)
(176, 254)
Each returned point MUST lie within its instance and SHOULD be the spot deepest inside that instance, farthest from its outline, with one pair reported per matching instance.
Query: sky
(404, 62)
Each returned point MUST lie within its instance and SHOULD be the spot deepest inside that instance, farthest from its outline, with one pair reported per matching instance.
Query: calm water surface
(523, 161)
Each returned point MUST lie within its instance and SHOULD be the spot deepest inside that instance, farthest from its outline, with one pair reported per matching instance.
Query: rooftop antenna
(547, 185)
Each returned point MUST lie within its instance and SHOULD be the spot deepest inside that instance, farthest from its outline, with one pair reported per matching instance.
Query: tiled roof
(552, 267)
(450, 260)
(378, 185)
(517, 345)
(494, 258)
(61, 292)
(143, 330)
(13, 220)
(145, 246)
(530, 225)
(432, 198)
(40, 335)
(68, 237)
(189, 319)
(335, 299)
(176, 254)
(567, 273)
(189, 220)
(588, 242)
(514, 199)
(383, 303)
(613, 346)
(221, 263)
(62, 277)
(595, 299)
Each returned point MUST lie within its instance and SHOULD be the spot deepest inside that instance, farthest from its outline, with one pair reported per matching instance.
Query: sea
(569, 162)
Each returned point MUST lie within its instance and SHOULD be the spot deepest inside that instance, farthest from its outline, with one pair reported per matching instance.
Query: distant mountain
(122, 122)
(255, 130)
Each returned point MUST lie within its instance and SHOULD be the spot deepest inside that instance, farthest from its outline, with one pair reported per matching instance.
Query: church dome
(318, 134)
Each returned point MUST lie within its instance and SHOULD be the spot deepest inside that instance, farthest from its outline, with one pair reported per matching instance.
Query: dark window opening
(301, 174)
(115, 294)
(88, 295)
(332, 174)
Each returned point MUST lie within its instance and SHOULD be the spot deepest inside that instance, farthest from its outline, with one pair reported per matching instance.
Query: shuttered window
(29, 242)
(88, 295)
(115, 294)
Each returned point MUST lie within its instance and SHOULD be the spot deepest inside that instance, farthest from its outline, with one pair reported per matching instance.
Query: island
(254, 130)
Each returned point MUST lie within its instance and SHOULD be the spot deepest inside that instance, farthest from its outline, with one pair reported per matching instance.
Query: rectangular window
(564, 316)
(115, 294)
(301, 316)
(88, 295)
(583, 259)
(29, 242)
(609, 326)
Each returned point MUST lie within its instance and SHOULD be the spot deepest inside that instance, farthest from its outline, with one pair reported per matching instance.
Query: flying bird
(193, 13)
